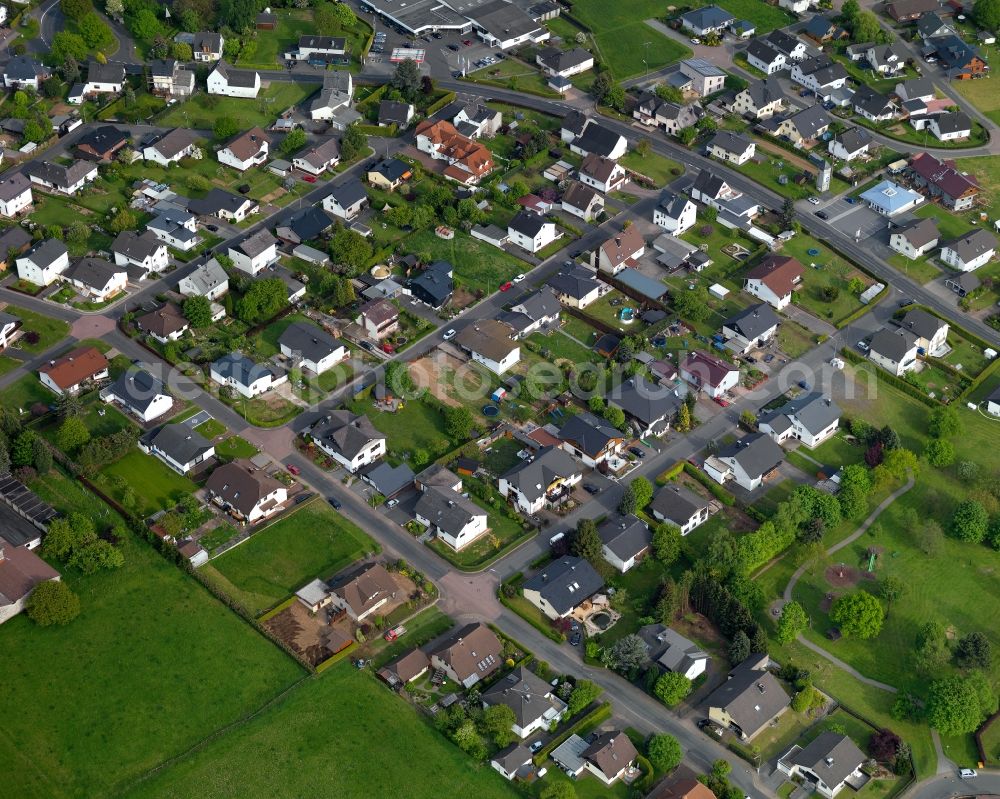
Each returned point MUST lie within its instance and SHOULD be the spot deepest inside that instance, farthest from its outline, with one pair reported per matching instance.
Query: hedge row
(669, 474)
(717, 491)
(892, 380)
(854, 317)
(972, 337)
(592, 719)
(544, 629)
(343, 653)
(981, 378)
(433, 108)
(388, 131)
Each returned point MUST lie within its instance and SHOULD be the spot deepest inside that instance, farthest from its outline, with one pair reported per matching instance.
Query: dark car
(334, 502)
(453, 47)
(639, 453)
(822, 215)
(436, 35)
(367, 345)
(575, 639)
(591, 489)
(803, 385)
(906, 301)
(212, 228)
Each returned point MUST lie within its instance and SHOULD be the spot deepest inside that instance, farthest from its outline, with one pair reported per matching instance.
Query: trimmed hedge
(981, 378)
(667, 475)
(892, 380)
(546, 630)
(717, 491)
(592, 719)
(854, 317)
(387, 131)
(343, 653)
(433, 108)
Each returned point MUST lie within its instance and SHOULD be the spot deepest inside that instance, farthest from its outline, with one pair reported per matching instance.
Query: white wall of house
(698, 518)
(160, 405)
(476, 527)
(328, 361)
(227, 157)
(256, 264)
(152, 263)
(33, 273)
(180, 468)
(898, 368)
(952, 258)
(734, 158)
(263, 383)
(16, 204)
(498, 367)
(217, 84)
(761, 290)
(372, 452)
(901, 244)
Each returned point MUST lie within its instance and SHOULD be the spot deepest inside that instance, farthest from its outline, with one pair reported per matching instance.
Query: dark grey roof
(783, 42)
(527, 223)
(137, 246)
(680, 653)
(626, 536)
(867, 99)
(892, 344)
(762, 50)
(175, 141)
(533, 477)
(309, 223)
(810, 121)
(757, 454)
(708, 17)
(735, 143)
(524, 692)
(349, 193)
(597, 139)
(919, 232)
(677, 503)
(346, 432)
(243, 78)
(813, 411)
(59, 175)
(435, 284)
(217, 200)
(502, 19)
(239, 367)
(750, 696)
(565, 583)
(392, 169)
(673, 205)
(389, 480)
(853, 139)
(22, 68)
(389, 111)
(446, 509)
(574, 282)
(708, 183)
(952, 123)
(579, 195)
(752, 321)
(103, 138)
(111, 72)
(513, 757)
(543, 303)
(309, 341)
(924, 324)
(93, 272)
(322, 42)
(646, 401)
(46, 253)
(574, 122)
(257, 243)
(764, 92)
(136, 389)
(588, 433)
(558, 60)
(207, 40)
(832, 757)
(918, 87)
(180, 442)
(13, 238)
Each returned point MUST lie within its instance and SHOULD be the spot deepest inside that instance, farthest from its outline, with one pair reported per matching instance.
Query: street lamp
(645, 58)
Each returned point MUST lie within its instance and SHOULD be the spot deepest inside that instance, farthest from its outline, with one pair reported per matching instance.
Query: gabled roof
(379, 311)
(943, 175)
(435, 281)
(390, 111)
(392, 169)
(597, 167)
(968, 247)
(677, 503)
(309, 341)
(103, 139)
(779, 273)
(597, 139)
(814, 412)
(762, 50)
(680, 653)
(919, 232)
(242, 78)
(623, 246)
(853, 139)
(528, 224)
(309, 223)
(22, 68)
(471, 650)
(707, 368)
(180, 443)
(811, 121)
(831, 756)
(952, 123)
(207, 41)
(753, 321)
(524, 692)
(702, 67)
(757, 454)
(539, 305)
(625, 536)
(137, 246)
(558, 60)
(247, 145)
(589, 433)
(59, 175)
(763, 93)
(241, 485)
(256, 244)
(565, 583)
(208, 276)
(579, 195)
(137, 389)
(173, 142)
(20, 571)
(346, 432)
(239, 367)
(163, 321)
(708, 17)
(46, 253)
(446, 509)
(322, 154)
(533, 477)
(488, 337)
(75, 366)
(95, 273)
(218, 200)
(733, 143)
(348, 193)
(783, 42)
(867, 99)
(750, 696)
(892, 344)
(112, 72)
(13, 185)
(575, 282)
(611, 752)
(646, 401)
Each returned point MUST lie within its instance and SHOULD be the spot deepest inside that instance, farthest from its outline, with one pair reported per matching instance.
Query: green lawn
(950, 225)
(314, 541)
(504, 533)
(478, 266)
(152, 666)
(513, 74)
(919, 269)
(986, 169)
(765, 17)
(25, 392)
(210, 429)
(201, 111)
(652, 165)
(578, 329)
(559, 346)
(99, 424)
(273, 44)
(235, 447)
(830, 271)
(50, 331)
(417, 426)
(387, 751)
(794, 340)
(155, 485)
(991, 743)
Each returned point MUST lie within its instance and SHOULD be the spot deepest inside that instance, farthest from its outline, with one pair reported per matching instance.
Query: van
(556, 539)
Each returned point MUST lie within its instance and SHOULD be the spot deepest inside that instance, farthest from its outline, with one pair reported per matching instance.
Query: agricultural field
(152, 666)
(313, 541)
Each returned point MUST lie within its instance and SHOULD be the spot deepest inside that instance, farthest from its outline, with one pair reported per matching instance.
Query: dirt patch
(842, 576)
(436, 373)
(301, 631)
(697, 627)
(462, 298)
(827, 602)
(763, 144)
(272, 196)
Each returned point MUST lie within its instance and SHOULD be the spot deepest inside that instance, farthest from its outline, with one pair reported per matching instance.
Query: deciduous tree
(671, 688)
(858, 614)
(969, 522)
(53, 602)
(667, 543)
(957, 705)
(792, 621)
(664, 752)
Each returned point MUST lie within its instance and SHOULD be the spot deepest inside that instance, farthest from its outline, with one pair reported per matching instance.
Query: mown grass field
(478, 266)
(201, 111)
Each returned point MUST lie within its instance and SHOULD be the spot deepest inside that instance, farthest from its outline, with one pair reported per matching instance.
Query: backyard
(25, 392)
(478, 266)
(271, 45)
(416, 426)
(201, 111)
(826, 271)
(153, 485)
(661, 170)
(152, 666)
(504, 532)
(313, 541)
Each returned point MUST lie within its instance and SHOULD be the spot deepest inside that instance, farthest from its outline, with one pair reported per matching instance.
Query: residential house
(970, 251)
(707, 373)
(890, 199)
(389, 174)
(774, 279)
(349, 439)
(931, 26)
(675, 213)
(179, 446)
(591, 439)
(544, 479)
(231, 82)
(24, 72)
(894, 350)
(317, 48)
(829, 763)
(749, 329)
(872, 105)
(318, 159)
(367, 590)
(477, 121)
(513, 761)
(14, 241)
(174, 226)
(680, 786)
(886, 59)
(66, 375)
(491, 343)
(96, 279)
(15, 194)
(811, 419)
(255, 253)
(820, 74)
(140, 394)
(601, 173)
(910, 10)
(333, 103)
(531, 698)
(468, 160)
(805, 126)
(312, 348)
(142, 250)
(469, 655)
(582, 201)
(597, 140)
(531, 232)
(736, 148)
(306, 225)
(942, 179)
(406, 669)
(749, 699)
(761, 55)
(822, 30)
(104, 78)
(207, 46)
(165, 324)
(561, 586)
(59, 178)
(625, 540)
(617, 252)
(914, 238)
(21, 570)
(916, 89)
(379, 318)
(388, 480)
(246, 150)
(680, 506)
(679, 655)
(102, 143)
(793, 48)
(170, 147)
(761, 99)
(851, 144)
(44, 262)
(993, 402)
(675, 254)
(748, 462)
(168, 77)
(709, 19)
(209, 280)
(931, 332)
(704, 77)
(958, 59)
(244, 376)
(963, 284)
(950, 127)
(541, 310)
(577, 287)
(245, 492)
(564, 63)
(9, 325)
(674, 117)
(346, 200)
(649, 407)
(434, 285)
(609, 756)
(391, 112)
(453, 518)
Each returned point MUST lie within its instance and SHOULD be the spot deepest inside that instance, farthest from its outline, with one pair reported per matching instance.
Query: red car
(387, 347)
(723, 402)
(309, 178)
(467, 42)
(506, 286)
(293, 469)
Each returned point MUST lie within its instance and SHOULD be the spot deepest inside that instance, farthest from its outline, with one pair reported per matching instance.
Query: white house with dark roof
(709, 19)
(747, 462)
(970, 251)
(9, 325)
(244, 376)
(454, 519)
(209, 281)
(175, 227)
(625, 540)
(577, 286)
(542, 308)
(680, 506)
(931, 331)
(544, 479)
(207, 46)
(170, 147)
(761, 55)
(23, 71)
(311, 347)
(561, 586)
(811, 419)
(679, 655)
(104, 78)
(142, 250)
(349, 439)
(96, 279)
(178, 446)
(591, 439)
(750, 328)
(333, 103)
(15, 194)
(831, 762)
(564, 63)
(140, 394)
(732, 147)
(491, 343)
(649, 407)
(914, 238)
(993, 402)
(582, 201)
(596, 139)
(61, 178)
(245, 492)
(851, 144)
(601, 173)
(231, 82)
(477, 121)
(43, 263)
(761, 99)
(318, 159)
(675, 213)
(223, 204)
(531, 232)
(531, 698)
(950, 127)
(894, 350)
(346, 200)
(255, 253)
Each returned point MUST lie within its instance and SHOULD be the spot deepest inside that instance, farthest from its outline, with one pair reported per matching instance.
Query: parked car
(467, 42)
(591, 489)
(535, 746)
(967, 773)
(575, 639)
(637, 451)
(803, 385)
(309, 178)
(212, 228)
(388, 348)
(695, 40)
(814, 200)
(822, 215)
(449, 334)
(293, 469)
(392, 503)
(453, 47)
(720, 401)
(850, 200)
(506, 286)
(368, 346)
(519, 278)
(334, 503)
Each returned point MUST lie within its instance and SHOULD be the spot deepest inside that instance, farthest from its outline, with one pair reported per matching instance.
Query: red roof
(75, 367)
(709, 370)
(780, 273)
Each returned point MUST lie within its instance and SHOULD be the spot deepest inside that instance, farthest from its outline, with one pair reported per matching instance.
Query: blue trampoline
(490, 410)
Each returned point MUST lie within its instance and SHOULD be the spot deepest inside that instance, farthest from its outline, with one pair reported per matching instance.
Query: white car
(863, 346)
(519, 278)
(695, 40)
(449, 334)
(967, 773)
(814, 200)
(392, 503)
